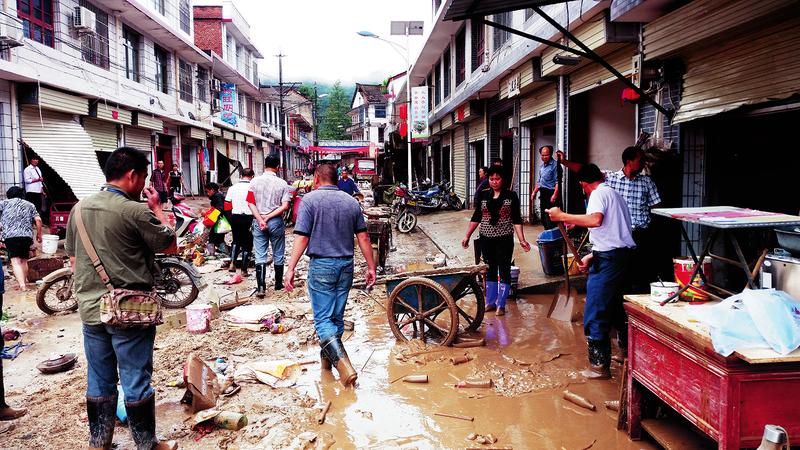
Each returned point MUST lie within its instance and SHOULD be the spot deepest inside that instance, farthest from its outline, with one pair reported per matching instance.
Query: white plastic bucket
(49, 243)
(198, 318)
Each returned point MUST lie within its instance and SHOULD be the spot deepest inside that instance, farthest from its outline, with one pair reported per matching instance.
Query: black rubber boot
(599, 360)
(278, 277)
(234, 254)
(245, 263)
(142, 424)
(102, 415)
(261, 282)
(333, 350)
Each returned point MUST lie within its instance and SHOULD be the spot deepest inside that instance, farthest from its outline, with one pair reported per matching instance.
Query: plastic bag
(732, 328)
(222, 226)
(210, 217)
(776, 315)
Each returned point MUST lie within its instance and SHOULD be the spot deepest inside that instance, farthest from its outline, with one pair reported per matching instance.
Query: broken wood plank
(454, 416)
(324, 412)
(578, 400)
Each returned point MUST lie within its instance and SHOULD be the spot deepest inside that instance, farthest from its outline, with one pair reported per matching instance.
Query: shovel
(564, 299)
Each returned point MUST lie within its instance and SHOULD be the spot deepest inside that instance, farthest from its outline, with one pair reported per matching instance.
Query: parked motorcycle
(186, 220)
(176, 282)
(451, 199)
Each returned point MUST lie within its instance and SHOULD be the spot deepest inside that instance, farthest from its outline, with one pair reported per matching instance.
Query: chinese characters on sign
(513, 85)
(227, 100)
(419, 113)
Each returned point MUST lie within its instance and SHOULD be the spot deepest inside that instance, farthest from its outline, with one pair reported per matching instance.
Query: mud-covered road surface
(529, 358)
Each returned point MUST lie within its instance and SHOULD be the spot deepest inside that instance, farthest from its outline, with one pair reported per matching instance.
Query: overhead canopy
(465, 9)
(65, 146)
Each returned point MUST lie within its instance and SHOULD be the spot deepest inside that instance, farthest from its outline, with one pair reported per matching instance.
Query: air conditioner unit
(84, 20)
(216, 105)
(10, 31)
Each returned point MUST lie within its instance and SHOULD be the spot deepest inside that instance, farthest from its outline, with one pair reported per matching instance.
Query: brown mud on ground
(529, 358)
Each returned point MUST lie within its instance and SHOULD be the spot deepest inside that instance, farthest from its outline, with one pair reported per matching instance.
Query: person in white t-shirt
(241, 220)
(609, 223)
(34, 183)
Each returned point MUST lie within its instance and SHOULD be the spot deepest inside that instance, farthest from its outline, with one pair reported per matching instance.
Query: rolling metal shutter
(700, 20)
(753, 68)
(594, 75)
(59, 101)
(103, 134)
(459, 163)
(477, 130)
(138, 138)
(66, 147)
(538, 102)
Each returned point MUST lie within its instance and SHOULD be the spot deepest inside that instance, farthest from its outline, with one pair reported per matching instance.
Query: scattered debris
(416, 379)
(324, 412)
(475, 384)
(460, 359)
(280, 373)
(613, 405)
(579, 400)
(469, 343)
(58, 363)
(230, 420)
(201, 383)
(454, 416)
(552, 357)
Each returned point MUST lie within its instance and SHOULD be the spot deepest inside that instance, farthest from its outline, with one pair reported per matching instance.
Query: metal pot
(789, 239)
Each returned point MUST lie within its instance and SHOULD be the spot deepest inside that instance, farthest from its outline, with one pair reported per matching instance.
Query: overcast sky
(320, 41)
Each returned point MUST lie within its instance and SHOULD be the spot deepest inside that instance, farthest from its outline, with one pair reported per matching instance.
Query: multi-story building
(368, 114)
(223, 33)
(79, 78)
(496, 94)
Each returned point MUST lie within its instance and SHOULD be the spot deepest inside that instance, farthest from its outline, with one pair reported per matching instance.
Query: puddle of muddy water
(531, 360)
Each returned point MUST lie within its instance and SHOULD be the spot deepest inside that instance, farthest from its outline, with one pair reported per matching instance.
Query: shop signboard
(229, 103)
(419, 113)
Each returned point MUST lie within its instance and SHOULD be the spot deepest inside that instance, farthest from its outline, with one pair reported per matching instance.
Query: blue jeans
(128, 349)
(329, 283)
(274, 234)
(604, 290)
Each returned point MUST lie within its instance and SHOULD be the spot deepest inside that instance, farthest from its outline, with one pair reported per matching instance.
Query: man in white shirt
(241, 220)
(609, 224)
(34, 184)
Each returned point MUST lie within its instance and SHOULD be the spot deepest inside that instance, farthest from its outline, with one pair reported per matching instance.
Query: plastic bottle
(220, 365)
(279, 328)
(122, 413)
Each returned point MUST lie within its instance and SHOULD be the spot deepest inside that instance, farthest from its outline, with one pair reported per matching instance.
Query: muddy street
(530, 359)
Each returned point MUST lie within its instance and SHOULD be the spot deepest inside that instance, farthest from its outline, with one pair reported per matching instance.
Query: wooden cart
(435, 305)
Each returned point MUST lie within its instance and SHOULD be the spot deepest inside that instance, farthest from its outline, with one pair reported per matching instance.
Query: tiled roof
(371, 92)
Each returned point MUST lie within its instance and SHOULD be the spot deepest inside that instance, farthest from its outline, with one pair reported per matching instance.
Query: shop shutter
(103, 134)
(538, 102)
(459, 163)
(147, 120)
(594, 75)
(477, 129)
(65, 146)
(447, 121)
(59, 101)
(754, 68)
(138, 138)
(592, 33)
(700, 20)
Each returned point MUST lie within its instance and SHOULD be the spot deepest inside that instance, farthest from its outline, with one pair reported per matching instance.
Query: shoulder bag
(124, 308)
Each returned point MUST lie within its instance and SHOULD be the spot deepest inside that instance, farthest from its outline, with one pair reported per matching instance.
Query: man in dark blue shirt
(347, 184)
(326, 223)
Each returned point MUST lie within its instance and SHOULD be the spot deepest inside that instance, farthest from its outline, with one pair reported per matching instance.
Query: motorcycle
(404, 210)
(186, 220)
(451, 199)
(176, 282)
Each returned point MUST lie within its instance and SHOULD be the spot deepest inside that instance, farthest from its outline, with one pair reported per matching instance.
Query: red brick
(208, 35)
(208, 12)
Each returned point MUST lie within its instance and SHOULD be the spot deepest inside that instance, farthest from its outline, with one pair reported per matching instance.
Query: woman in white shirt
(241, 220)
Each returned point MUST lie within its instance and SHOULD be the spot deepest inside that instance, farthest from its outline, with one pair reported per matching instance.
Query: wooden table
(730, 399)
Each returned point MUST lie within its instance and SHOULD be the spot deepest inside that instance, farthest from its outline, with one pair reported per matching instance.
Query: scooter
(187, 222)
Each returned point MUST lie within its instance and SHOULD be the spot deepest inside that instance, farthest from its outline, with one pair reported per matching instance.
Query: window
(185, 16)
(131, 40)
(256, 81)
(185, 80)
(162, 69)
(437, 77)
(447, 73)
(94, 46)
(37, 20)
(500, 36)
(461, 56)
(380, 111)
(380, 134)
(528, 13)
(241, 103)
(202, 85)
(478, 45)
(158, 5)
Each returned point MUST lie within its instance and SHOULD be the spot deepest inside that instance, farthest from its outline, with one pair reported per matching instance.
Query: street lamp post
(407, 29)
(316, 125)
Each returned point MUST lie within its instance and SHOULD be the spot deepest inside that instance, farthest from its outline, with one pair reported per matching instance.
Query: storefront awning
(65, 146)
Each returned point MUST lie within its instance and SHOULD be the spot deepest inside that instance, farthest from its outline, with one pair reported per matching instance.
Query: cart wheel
(406, 222)
(419, 308)
(471, 303)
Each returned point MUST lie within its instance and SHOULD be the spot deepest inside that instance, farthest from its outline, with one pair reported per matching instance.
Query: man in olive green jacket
(126, 234)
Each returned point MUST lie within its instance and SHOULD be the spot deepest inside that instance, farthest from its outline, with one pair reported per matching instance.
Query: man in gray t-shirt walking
(326, 222)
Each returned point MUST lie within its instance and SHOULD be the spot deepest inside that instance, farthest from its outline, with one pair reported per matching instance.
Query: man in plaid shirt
(641, 195)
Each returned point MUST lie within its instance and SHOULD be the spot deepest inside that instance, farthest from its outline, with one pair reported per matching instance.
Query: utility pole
(280, 57)
(314, 119)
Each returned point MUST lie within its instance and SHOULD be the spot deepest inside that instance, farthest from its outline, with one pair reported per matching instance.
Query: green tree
(335, 120)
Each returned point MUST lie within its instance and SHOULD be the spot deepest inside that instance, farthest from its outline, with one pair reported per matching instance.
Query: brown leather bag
(125, 308)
